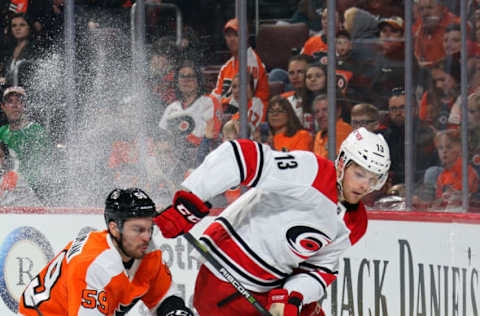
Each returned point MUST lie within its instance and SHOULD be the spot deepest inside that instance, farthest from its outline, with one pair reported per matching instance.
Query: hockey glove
(187, 210)
(280, 303)
(173, 306)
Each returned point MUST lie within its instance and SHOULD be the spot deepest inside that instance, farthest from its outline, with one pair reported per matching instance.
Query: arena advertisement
(409, 268)
(414, 266)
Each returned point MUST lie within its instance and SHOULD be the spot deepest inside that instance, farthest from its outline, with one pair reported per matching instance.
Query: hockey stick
(227, 275)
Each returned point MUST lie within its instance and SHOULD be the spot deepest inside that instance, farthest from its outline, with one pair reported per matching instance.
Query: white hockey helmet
(368, 150)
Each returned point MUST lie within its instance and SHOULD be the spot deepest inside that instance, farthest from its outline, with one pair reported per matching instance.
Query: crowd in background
(155, 139)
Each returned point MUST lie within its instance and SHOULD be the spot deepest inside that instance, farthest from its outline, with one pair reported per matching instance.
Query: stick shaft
(227, 275)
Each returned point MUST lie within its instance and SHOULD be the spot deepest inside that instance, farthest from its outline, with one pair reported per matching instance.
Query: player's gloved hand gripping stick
(187, 210)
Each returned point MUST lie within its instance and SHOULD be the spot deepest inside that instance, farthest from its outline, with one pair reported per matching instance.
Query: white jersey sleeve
(174, 107)
(231, 164)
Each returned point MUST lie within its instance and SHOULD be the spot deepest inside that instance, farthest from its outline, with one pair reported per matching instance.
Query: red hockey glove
(187, 210)
(282, 304)
(312, 309)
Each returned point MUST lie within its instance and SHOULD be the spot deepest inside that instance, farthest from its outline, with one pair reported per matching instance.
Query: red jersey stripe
(250, 157)
(223, 240)
(325, 181)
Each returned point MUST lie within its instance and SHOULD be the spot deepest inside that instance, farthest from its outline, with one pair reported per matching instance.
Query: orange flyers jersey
(255, 66)
(88, 278)
(256, 112)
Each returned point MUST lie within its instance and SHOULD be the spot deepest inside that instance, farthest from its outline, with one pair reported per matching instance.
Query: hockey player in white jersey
(283, 238)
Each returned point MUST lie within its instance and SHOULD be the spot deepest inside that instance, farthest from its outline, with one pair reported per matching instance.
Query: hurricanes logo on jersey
(305, 241)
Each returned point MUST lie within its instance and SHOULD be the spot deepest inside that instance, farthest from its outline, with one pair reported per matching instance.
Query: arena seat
(274, 43)
(210, 74)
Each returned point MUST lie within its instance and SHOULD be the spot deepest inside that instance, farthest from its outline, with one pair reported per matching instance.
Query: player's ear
(114, 229)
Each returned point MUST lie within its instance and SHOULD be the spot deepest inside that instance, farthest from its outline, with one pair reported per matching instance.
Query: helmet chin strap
(119, 240)
(340, 178)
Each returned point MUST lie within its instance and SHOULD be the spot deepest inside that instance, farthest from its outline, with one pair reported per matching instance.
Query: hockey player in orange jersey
(107, 272)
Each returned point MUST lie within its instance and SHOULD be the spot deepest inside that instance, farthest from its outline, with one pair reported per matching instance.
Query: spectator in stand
(387, 69)
(394, 133)
(474, 130)
(473, 107)
(187, 117)
(366, 115)
(320, 112)
(14, 190)
(161, 75)
(438, 100)
(452, 43)
(318, 43)
(263, 134)
(474, 74)
(309, 12)
(296, 75)
(255, 66)
(256, 110)
(28, 140)
(35, 10)
(350, 68)
(21, 48)
(449, 181)
(380, 8)
(288, 133)
(473, 11)
(149, 161)
(360, 24)
(429, 29)
(363, 29)
(108, 13)
(315, 84)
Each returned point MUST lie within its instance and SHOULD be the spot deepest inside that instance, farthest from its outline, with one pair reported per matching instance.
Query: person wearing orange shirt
(429, 29)
(449, 180)
(318, 43)
(320, 113)
(223, 88)
(288, 133)
(437, 102)
(256, 110)
(105, 273)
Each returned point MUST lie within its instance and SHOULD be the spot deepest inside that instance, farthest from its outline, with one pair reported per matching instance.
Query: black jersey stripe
(225, 260)
(260, 165)
(249, 251)
(315, 267)
(239, 160)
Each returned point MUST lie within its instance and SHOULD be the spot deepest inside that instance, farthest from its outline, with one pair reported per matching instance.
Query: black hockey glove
(173, 306)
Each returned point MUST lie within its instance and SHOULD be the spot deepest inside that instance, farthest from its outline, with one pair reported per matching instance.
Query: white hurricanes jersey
(287, 230)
